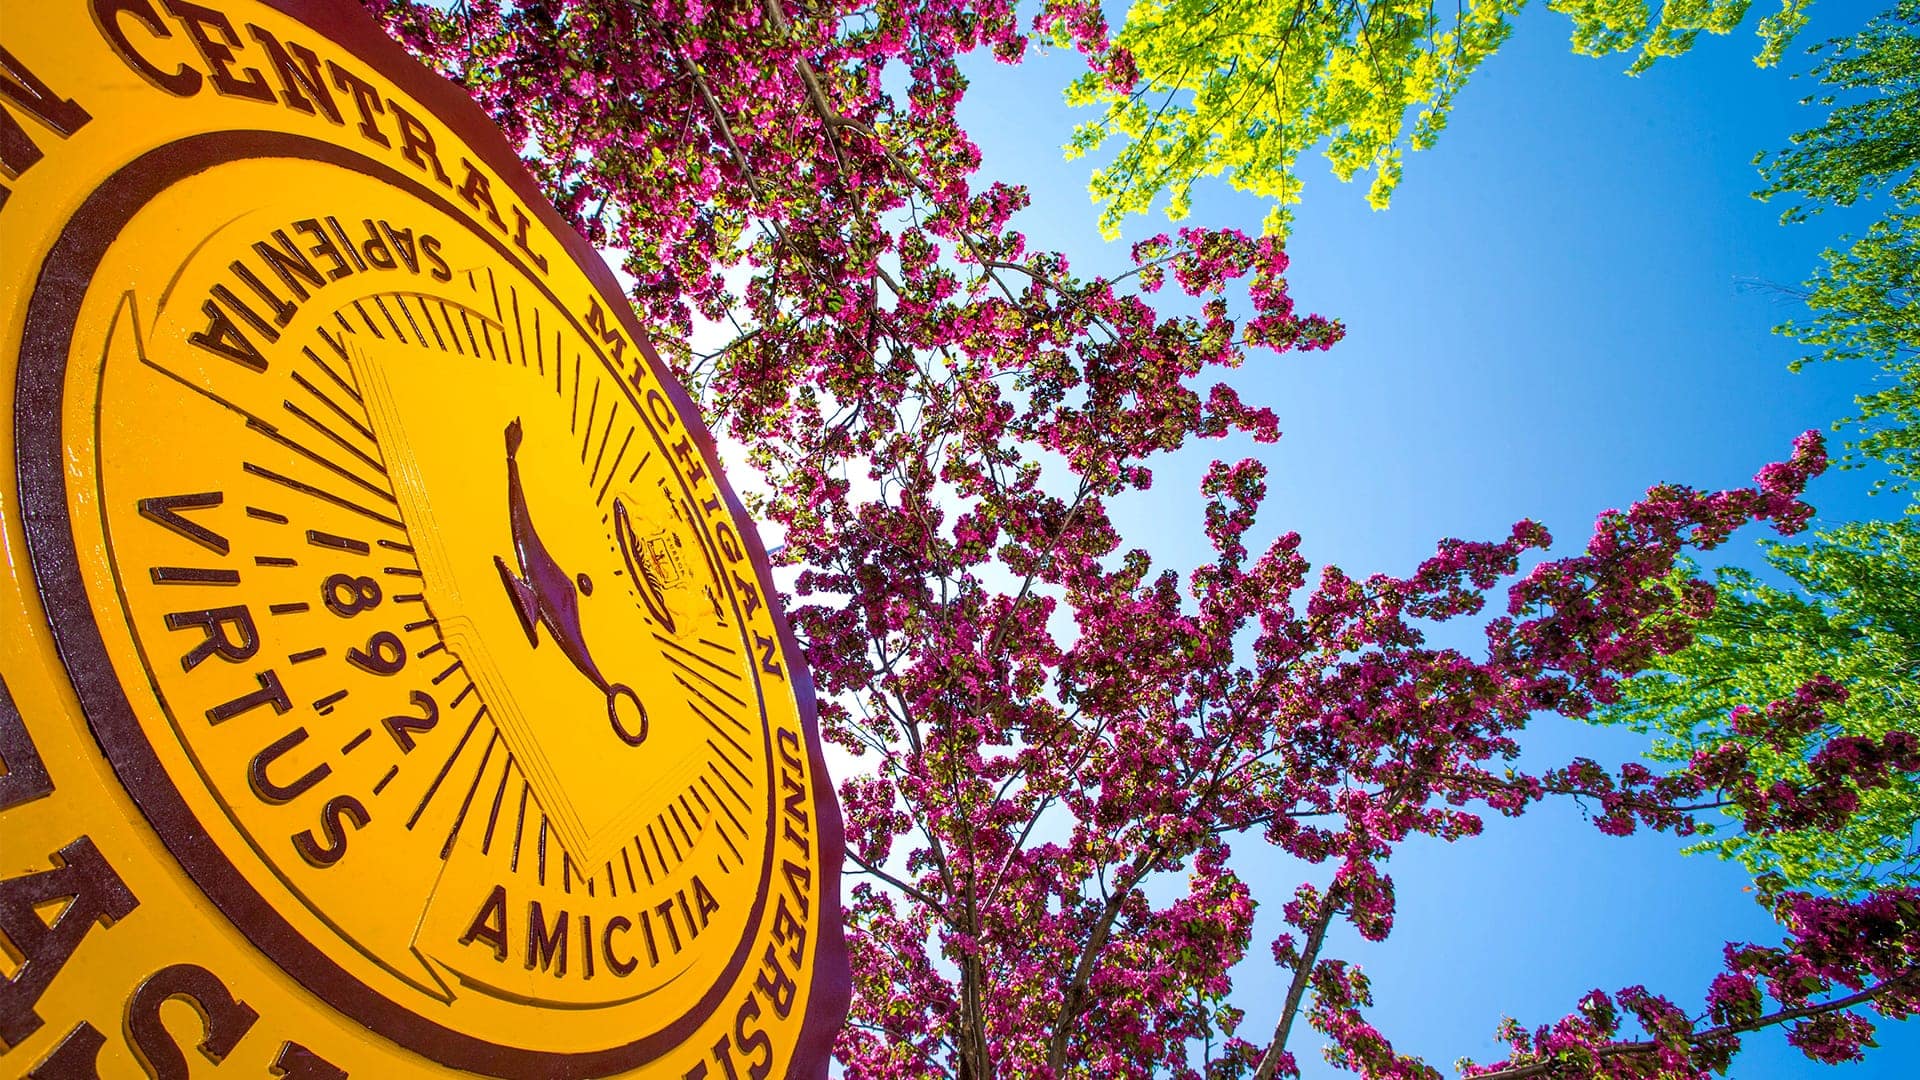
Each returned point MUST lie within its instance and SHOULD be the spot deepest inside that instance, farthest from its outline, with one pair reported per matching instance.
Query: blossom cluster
(1870, 947)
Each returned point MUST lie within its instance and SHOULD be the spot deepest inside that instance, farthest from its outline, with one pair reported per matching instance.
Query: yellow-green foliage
(1241, 87)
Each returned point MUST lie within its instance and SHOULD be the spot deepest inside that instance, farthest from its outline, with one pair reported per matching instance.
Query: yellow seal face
(362, 554)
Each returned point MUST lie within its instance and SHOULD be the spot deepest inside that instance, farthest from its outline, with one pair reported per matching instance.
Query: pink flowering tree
(1061, 745)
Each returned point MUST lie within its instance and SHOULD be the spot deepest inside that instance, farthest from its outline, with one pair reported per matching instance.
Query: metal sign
(388, 678)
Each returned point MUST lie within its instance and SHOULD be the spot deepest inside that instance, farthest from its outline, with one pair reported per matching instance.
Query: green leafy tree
(1864, 303)
(1864, 306)
(1852, 616)
(1850, 612)
(1200, 88)
(1870, 140)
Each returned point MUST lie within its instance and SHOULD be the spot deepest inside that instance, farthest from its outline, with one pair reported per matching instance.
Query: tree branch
(1548, 1068)
(1302, 974)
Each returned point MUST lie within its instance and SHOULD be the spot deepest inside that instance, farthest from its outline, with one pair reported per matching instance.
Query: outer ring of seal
(65, 276)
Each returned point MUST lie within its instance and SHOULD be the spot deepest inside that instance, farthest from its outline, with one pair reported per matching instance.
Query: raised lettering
(490, 923)
(223, 338)
(477, 190)
(664, 909)
(753, 1041)
(239, 307)
(789, 744)
(729, 542)
(76, 1058)
(546, 947)
(686, 915)
(597, 322)
(374, 248)
(214, 623)
(789, 931)
(749, 597)
(323, 246)
(430, 247)
(766, 646)
(774, 983)
(274, 794)
(663, 413)
(401, 728)
(99, 897)
(401, 243)
(340, 234)
(796, 825)
(26, 777)
(300, 84)
(703, 901)
(690, 460)
(24, 89)
(723, 1053)
(586, 945)
(646, 932)
(183, 81)
(340, 811)
(617, 964)
(270, 693)
(288, 264)
(416, 143)
(198, 21)
(281, 307)
(800, 881)
(223, 1019)
(366, 99)
(520, 223)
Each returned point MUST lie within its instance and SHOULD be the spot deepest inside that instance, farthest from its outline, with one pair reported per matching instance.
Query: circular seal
(397, 584)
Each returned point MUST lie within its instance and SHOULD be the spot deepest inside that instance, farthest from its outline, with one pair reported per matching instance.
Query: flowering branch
(1576, 1065)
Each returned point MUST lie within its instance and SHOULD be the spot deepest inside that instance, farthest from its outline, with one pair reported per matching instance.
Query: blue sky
(1557, 312)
